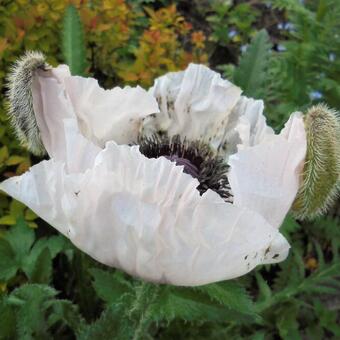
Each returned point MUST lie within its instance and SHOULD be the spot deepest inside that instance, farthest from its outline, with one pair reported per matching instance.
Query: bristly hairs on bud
(321, 173)
(20, 106)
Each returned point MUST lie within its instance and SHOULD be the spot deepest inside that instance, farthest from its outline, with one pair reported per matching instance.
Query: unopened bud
(21, 101)
(320, 179)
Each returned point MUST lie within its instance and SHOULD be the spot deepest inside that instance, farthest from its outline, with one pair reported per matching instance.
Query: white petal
(246, 126)
(252, 127)
(102, 115)
(145, 216)
(151, 222)
(265, 177)
(42, 189)
(51, 107)
(194, 103)
(58, 124)
(106, 115)
(80, 152)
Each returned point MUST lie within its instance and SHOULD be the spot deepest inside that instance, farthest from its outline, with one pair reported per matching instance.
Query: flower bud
(21, 101)
(321, 173)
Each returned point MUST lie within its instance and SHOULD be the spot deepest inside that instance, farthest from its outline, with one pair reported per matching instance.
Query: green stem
(146, 295)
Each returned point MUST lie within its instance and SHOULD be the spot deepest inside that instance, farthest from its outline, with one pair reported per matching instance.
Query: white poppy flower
(199, 200)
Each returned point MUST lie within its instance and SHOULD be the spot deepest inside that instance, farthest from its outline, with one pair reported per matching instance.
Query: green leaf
(30, 302)
(109, 286)
(229, 294)
(67, 312)
(42, 270)
(21, 238)
(73, 45)
(18, 251)
(7, 320)
(8, 265)
(327, 318)
(265, 292)
(37, 312)
(191, 305)
(287, 322)
(111, 324)
(7, 220)
(251, 72)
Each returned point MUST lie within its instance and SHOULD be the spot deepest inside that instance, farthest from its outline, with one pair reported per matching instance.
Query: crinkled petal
(41, 189)
(251, 127)
(146, 217)
(194, 103)
(58, 123)
(246, 126)
(51, 107)
(102, 115)
(265, 177)
(106, 115)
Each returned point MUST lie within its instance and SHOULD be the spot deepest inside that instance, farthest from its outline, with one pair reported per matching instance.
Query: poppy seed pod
(182, 184)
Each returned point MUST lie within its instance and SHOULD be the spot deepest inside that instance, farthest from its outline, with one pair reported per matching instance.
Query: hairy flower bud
(321, 173)
(21, 102)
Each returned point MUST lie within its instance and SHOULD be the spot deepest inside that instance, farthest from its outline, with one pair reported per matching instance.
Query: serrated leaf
(327, 318)
(30, 313)
(73, 45)
(111, 324)
(42, 270)
(18, 251)
(287, 322)
(8, 265)
(109, 286)
(231, 295)
(190, 305)
(37, 311)
(21, 238)
(265, 292)
(250, 74)
(66, 311)
(7, 321)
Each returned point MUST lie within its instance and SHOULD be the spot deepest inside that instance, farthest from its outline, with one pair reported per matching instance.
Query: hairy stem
(141, 310)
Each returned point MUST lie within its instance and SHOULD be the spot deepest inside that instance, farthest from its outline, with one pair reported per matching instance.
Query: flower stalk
(141, 311)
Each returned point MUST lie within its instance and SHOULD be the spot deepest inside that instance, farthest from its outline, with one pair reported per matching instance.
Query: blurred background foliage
(284, 51)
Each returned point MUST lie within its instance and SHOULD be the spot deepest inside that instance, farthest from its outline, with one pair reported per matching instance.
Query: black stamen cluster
(212, 169)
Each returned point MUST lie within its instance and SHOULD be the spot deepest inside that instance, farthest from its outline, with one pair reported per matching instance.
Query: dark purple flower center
(189, 168)
(197, 158)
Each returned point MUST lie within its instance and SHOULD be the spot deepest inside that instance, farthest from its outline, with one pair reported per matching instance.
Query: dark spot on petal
(267, 251)
(246, 257)
(276, 256)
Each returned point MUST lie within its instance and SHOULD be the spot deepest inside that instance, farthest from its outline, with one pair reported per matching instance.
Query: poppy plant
(183, 184)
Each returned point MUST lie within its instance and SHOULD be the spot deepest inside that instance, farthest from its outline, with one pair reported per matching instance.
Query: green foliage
(307, 72)
(231, 24)
(33, 312)
(20, 252)
(73, 45)
(231, 295)
(251, 73)
(110, 287)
